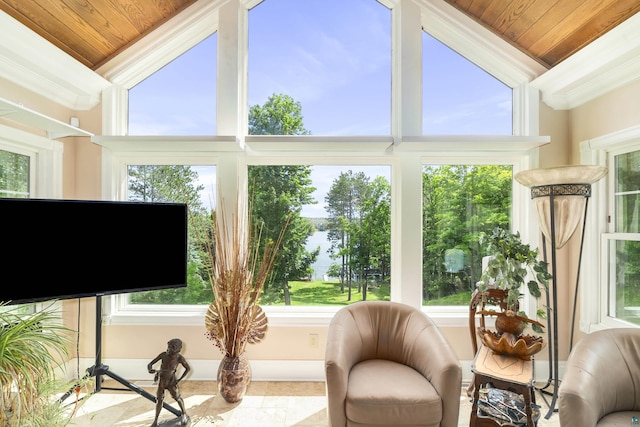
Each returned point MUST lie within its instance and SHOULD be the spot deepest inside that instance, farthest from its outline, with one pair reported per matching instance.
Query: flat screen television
(59, 249)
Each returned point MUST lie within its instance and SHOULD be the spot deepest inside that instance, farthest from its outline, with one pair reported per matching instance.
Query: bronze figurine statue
(166, 377)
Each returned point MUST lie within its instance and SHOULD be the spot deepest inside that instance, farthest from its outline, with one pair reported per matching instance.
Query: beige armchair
(387, 364)
(601, 382)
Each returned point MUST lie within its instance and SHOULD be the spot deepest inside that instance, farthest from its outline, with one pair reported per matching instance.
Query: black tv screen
(57, 249)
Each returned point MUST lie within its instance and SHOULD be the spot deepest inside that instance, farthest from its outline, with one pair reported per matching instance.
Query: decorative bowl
(522, 347)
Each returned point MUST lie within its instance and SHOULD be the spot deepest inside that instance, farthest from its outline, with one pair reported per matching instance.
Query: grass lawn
(319, 292)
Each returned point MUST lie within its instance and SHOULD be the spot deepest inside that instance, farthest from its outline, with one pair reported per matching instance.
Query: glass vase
(234, 376)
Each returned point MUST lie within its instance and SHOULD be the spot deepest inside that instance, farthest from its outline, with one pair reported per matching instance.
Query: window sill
(278, 316)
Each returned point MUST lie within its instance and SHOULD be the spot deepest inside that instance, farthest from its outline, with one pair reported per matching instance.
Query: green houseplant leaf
(511, 263)
(32, 348)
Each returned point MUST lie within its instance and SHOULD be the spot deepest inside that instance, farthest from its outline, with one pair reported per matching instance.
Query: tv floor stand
(99, 370)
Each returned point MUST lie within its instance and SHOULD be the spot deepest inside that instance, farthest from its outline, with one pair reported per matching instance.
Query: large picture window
(336, 249)
(327, 113)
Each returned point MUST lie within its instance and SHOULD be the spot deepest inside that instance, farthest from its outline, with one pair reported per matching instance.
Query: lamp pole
(561, 196)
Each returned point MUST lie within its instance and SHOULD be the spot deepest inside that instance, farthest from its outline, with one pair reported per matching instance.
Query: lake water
(320, 267)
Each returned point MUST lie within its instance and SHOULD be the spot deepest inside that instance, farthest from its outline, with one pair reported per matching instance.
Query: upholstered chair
(387, 364)
(601, 382)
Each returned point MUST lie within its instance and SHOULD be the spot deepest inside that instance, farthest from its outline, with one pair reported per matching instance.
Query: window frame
(520, 220)
(608, 291)
(594, 286)
(232, 149)
(45, 160)
(45, 168)
(231, 168)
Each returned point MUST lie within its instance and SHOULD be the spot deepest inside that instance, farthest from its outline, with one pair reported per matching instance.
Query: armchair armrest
(343, 351)
(437, 362)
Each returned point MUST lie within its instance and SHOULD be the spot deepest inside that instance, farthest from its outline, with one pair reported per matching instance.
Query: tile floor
(266, 404)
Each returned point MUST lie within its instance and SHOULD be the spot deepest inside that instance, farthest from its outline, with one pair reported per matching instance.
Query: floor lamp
(561, 197)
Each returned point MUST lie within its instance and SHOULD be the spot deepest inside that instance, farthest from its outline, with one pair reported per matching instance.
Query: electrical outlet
(313, 340)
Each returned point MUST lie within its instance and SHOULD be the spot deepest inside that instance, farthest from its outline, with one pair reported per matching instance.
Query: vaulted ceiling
(94, 31)
(549, 30)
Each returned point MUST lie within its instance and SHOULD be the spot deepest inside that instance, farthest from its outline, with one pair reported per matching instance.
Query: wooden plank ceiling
(94, 31)
(549, 30)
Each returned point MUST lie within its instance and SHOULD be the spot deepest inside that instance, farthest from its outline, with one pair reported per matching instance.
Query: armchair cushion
(381, 391)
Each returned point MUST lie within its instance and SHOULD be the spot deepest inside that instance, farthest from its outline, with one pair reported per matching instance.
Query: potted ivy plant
(512, 265)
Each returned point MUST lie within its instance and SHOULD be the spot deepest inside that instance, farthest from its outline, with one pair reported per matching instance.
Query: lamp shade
(570, 186)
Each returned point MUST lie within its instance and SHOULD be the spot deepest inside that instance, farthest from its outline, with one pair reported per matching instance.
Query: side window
(622, 247)
(14, 175)
(460, 202)
(14, 183)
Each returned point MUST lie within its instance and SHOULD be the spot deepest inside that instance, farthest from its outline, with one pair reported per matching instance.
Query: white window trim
(45, 168)
(593, 286)
(45, 160)
(403, 151)
(607, 294)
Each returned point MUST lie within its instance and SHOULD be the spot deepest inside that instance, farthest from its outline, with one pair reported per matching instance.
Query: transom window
(459, 98)
(331, 56)
(181, 98)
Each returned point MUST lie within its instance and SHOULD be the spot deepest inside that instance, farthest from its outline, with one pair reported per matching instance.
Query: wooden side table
(506, 373)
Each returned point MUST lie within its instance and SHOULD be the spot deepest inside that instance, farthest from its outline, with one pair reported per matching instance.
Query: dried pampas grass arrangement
(238, 269)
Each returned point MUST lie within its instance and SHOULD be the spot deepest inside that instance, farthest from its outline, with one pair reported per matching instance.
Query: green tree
(460, 203)
(359, 231)
(280, 115)
(340, 208)
(278, 194)
(164, 183)
(173, 183)
(377, 226)
(14, 174)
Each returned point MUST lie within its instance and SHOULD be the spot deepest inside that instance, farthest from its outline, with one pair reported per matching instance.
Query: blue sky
(334, 57)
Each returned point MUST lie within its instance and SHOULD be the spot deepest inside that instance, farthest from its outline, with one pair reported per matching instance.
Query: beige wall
(620, 109)
(82, 160)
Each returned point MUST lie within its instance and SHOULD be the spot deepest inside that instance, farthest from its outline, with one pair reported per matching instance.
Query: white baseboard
(206, 370)
(262, 370)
